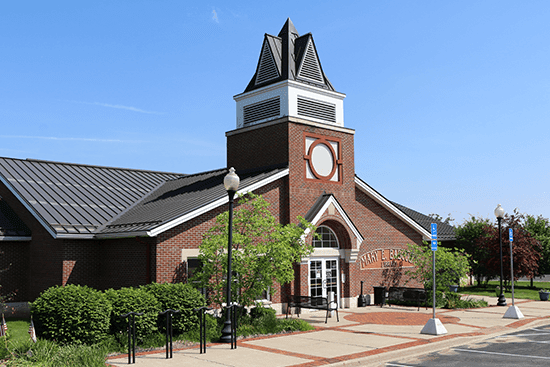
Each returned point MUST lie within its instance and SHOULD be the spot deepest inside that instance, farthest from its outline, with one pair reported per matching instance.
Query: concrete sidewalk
(368, 336)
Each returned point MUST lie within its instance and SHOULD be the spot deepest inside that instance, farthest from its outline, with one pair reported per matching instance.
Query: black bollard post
(202, 327)
(131, 334)
(169, 330)
(234, 319)
(233, 327)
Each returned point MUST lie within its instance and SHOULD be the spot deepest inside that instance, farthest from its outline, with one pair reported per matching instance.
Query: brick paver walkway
(398, 318)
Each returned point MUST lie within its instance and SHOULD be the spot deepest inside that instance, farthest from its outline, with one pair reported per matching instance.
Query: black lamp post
(499, 213)
(231, 183)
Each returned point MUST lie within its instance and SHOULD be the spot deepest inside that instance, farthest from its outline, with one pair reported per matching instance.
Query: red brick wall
(125, 262)
(44, 253)
(381, 229)
(259, 147)
(14, 260)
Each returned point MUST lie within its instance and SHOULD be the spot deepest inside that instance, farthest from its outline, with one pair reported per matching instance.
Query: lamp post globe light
(231, 183)
(499, 213)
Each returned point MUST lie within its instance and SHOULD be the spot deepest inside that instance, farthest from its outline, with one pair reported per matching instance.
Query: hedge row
(80, 314)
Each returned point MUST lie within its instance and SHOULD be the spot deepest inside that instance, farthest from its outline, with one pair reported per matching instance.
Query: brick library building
(105, 227)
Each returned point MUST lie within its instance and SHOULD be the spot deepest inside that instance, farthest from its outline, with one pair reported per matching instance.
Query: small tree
(264, 252)
(451, 265)
(526, 248)
(539, 228)
(467, 235)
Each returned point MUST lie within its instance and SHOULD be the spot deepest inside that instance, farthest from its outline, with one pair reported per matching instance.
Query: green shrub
(213, 330)
(138, 300)
(260, 311)
(177, 296)
(453, 301)
(72, 314)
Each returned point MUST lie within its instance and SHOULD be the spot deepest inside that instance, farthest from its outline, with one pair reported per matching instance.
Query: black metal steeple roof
(289, 56)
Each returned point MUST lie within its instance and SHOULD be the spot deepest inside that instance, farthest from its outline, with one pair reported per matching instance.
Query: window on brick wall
(327, 238)
(194, 265)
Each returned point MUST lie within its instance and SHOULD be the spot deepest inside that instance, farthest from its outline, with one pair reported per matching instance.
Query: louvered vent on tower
(267, 70)
(261, 110)
(310, 65)
(316, 109)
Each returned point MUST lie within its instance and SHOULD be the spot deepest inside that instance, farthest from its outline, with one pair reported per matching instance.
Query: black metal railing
(169, 331)
(202, 326)
(131, 334)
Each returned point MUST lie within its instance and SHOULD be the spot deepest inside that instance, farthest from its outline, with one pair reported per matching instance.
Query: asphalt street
(530, 347)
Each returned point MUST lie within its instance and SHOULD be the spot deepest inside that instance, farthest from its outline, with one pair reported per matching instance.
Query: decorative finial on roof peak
(288, 28)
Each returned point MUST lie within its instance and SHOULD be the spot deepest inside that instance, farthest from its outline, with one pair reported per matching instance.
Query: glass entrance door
(323, 278)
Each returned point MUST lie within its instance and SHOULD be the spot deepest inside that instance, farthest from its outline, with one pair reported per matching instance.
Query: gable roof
(289, 56)
(179, 200)
(74, 199)
(445, 232)
(321, 205)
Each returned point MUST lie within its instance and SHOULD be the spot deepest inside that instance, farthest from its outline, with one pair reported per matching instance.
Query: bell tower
(289, 81)
(290, 114)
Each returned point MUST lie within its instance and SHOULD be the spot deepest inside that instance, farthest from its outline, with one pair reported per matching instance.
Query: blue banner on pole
(434, 231)
(434, 236)
(511, 232)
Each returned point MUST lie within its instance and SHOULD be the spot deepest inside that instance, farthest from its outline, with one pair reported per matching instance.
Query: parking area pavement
(527, 347)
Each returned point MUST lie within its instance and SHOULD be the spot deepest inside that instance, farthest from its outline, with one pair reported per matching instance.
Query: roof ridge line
(106, 224)
(90, 165)
(196, 174)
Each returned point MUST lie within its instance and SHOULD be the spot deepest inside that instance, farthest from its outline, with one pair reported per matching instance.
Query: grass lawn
(521, 289)
(18, 335)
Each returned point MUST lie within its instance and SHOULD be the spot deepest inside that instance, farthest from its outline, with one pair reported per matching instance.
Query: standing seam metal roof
(445, 232)
(75, 198)
(181, 196)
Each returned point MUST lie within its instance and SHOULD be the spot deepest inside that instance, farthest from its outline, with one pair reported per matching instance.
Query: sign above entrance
(385, 258)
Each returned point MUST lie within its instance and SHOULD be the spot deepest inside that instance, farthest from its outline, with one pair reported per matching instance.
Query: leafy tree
(539, 228)
(439, 218)
(451, 265)
(526, 248)
(467, 235)
(263, 252)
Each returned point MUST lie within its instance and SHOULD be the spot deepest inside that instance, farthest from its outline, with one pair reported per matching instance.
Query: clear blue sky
(450, 100)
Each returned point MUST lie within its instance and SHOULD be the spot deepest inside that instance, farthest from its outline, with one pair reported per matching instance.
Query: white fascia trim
(348, 221)
(392, 208)
(121, 235)
(14, 238)
(214, 204)
(75, 236)
(298, 85)
(29, 207)
(317, 90)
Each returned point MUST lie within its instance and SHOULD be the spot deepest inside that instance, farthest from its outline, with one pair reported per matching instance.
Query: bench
(316, 303)
(416, 295)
